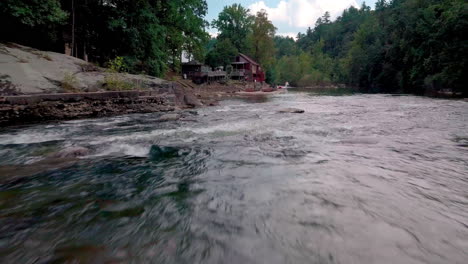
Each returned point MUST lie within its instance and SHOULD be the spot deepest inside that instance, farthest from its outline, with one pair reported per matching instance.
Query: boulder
(291, 110)
(71, 152)
(185, 97)
(191, 100)
(168, 117)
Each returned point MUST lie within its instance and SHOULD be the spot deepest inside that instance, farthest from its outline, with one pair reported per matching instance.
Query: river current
(355, 179)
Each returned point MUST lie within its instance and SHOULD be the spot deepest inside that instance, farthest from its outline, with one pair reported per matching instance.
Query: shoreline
(55, 107)
(38, 108)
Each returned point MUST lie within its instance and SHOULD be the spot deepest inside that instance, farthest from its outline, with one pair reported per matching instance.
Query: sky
(289, 16)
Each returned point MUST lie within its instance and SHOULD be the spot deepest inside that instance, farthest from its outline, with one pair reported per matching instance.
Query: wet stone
(291, 110)
(168, 117)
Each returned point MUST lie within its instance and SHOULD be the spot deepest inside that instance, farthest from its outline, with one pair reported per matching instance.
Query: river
(355, 179)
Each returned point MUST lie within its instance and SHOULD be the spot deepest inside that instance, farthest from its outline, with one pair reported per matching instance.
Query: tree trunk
(85, 55)
(73, 29)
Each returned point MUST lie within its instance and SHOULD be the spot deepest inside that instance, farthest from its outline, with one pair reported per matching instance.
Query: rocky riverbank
(38, 86)
(46, 107)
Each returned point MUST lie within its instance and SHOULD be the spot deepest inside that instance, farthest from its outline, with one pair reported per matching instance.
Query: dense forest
(149, 35)
(411, 46)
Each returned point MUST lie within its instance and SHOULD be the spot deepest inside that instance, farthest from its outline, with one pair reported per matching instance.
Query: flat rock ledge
(66, 106)
(291, 110)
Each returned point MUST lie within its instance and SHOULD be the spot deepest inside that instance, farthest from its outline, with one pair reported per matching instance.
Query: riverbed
(355, 179)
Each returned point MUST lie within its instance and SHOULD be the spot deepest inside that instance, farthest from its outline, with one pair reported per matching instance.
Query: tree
(222, 54)
(234, 23)
(285, 46)
(326, 18)
(411, 46)
(149, 34)
(33, 22)
(260, 40)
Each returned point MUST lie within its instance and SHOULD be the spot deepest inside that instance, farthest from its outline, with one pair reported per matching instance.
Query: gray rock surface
(25, 70)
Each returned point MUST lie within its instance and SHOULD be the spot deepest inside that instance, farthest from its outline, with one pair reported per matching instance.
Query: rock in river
(291, 110)
(168, 117)
(72, 152)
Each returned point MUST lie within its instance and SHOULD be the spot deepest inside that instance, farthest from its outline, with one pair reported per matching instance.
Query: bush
(117, 65)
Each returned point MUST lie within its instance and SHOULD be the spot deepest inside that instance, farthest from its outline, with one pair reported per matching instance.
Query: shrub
(117, 65)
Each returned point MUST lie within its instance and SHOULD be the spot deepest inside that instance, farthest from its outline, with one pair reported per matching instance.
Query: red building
(245, 68)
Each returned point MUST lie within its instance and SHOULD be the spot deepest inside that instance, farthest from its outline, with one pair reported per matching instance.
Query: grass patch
(113, 82)
(47, 57)
(70, 83)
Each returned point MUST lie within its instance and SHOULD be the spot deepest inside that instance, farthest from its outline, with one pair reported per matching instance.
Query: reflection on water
(355, 179)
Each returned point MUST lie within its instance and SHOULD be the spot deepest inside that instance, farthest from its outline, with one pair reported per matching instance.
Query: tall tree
(260, 39)
(234, 23)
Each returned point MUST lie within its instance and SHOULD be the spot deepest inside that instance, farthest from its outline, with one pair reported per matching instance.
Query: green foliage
(234, 23)
(117, 65)
(411, 46)
(32, 22)
(288, 69)
(33, 12)
(260, 40)
(285, 46)
(222, 54)
(150, 35)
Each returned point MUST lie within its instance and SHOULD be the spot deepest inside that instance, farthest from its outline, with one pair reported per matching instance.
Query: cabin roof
(247, 58)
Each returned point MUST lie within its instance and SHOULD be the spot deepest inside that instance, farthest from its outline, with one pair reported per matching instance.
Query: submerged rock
(161, 153)
(10, 173)
(291, 110)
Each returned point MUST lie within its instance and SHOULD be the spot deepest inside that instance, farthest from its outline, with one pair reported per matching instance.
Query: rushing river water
(355, 179)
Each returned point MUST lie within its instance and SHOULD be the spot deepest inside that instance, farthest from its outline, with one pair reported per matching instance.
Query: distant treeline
(409, 46)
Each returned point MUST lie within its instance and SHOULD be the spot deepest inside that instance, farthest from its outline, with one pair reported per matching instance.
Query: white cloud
(288, 34)
(302, 13)
(213, 34)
